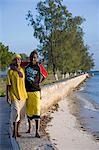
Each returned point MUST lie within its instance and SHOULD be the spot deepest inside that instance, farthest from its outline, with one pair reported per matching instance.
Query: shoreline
(62, 119)
(86, 112)
(50, 95)
(73, 135)
(88, 118)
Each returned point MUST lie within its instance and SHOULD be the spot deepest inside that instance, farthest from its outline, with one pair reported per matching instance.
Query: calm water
(91, 88)
(89, 112)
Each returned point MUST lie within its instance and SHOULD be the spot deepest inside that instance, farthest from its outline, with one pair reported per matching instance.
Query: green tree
(51, 17)
(71, 42)
(5, 56)
(87, 62)
(60, 36)
(24, 56)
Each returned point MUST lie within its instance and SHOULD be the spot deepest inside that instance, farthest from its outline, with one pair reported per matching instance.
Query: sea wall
(52, 93)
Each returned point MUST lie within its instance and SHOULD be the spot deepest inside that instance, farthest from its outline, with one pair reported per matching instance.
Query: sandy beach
(64, 132)
(60, 128)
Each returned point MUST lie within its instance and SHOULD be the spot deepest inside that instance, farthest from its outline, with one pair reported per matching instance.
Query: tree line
(60, 38)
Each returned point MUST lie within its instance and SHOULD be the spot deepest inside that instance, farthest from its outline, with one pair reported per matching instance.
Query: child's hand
(8, 101)
(20, 74)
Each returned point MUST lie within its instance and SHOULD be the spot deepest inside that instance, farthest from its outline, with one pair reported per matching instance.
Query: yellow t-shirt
(17, 85)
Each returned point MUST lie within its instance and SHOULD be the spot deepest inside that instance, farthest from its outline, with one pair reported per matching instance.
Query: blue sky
(15, 33)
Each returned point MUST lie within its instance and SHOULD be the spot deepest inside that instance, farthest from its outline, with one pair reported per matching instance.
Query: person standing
(16, 94)
(33, 79)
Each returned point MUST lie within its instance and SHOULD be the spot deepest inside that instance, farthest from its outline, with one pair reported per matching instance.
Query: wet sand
(88, 116)
(64, 130)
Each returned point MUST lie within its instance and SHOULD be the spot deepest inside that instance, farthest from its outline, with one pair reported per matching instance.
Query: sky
(15, 32)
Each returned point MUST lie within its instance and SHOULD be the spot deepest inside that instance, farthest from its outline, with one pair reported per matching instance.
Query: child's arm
(43, 72)
(7, 93)
(42, 79)
(13, 67)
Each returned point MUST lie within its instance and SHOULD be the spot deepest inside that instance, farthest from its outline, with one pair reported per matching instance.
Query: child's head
(34, 57)
(17, 60)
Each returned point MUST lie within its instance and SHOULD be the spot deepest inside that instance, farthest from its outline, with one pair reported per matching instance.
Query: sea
(88, 94)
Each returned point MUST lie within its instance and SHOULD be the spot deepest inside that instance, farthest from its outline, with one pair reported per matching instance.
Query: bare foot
(18, 135)
(28, 131)
(14, 136)
(37, 135)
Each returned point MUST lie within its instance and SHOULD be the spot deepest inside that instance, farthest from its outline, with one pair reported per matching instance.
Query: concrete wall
(52, 93)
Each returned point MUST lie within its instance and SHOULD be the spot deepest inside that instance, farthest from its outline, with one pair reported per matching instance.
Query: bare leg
(14, 129)
(29, 129)
(18, 125)
(37, 122)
